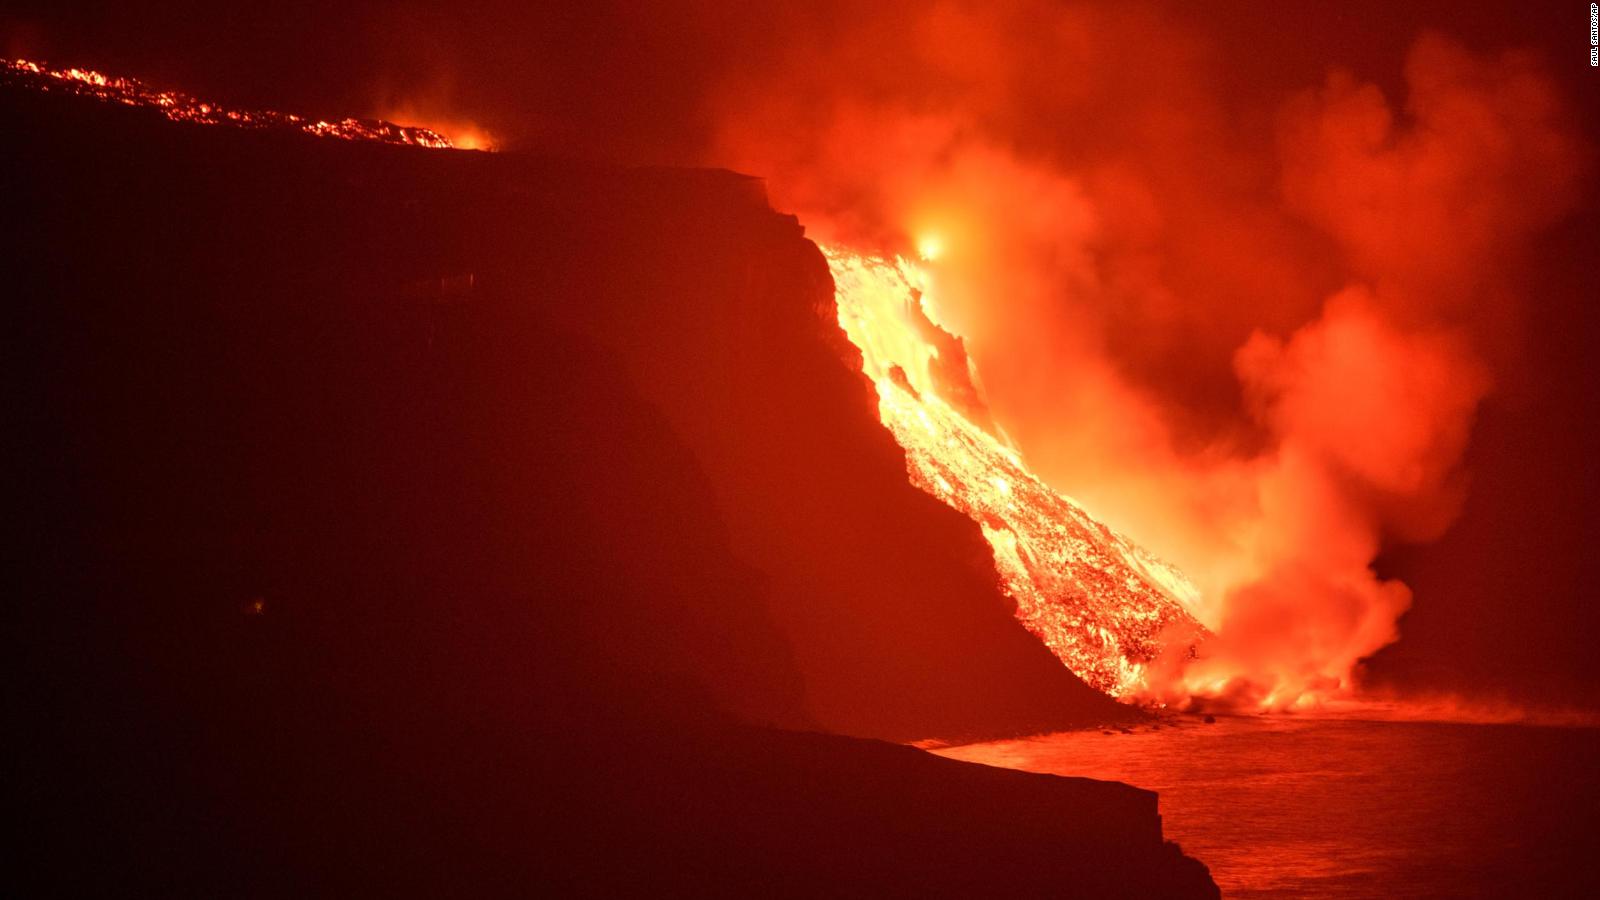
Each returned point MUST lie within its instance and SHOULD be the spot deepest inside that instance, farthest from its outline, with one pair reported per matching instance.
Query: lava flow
(181, 107)
(1105, 606)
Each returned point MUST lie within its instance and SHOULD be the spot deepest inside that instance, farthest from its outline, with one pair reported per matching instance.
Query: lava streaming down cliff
(1106, 607)
(181, 107)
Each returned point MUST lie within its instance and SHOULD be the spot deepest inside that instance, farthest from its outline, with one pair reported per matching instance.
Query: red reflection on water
(1291, 808)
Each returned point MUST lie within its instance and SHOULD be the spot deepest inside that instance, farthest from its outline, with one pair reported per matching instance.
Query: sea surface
(1284, 807)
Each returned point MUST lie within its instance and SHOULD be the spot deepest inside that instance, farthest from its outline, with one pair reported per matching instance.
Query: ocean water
(1283, 807)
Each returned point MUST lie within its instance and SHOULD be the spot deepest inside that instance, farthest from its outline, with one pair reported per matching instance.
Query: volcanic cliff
(422, 521)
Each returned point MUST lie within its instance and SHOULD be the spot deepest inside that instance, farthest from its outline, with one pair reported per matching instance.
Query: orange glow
(471, 139)
(461, 133)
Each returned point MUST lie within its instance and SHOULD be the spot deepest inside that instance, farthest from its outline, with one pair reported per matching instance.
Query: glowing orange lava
(1106, 607)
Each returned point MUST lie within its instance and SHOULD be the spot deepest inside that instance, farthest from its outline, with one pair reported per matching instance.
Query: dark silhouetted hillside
(413, 522)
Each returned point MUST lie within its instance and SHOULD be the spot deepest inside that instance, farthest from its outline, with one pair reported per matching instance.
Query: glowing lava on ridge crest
(181, 107)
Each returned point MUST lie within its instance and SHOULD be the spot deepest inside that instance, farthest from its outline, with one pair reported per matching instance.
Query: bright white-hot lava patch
(1106, 607)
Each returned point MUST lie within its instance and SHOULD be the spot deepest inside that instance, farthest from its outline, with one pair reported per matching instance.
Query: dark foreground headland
(399, 521)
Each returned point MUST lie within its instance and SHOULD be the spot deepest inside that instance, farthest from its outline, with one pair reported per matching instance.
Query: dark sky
(1503, 604)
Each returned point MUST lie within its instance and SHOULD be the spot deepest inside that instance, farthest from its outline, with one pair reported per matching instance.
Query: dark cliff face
(422, 521)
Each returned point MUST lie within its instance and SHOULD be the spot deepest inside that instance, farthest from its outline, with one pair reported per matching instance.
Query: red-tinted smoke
(1253, 339)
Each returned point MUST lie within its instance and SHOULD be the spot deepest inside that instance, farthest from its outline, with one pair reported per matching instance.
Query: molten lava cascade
(1105, 606)
(184, 108)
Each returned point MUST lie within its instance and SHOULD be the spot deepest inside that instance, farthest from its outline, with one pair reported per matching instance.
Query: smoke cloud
(1254, 336)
